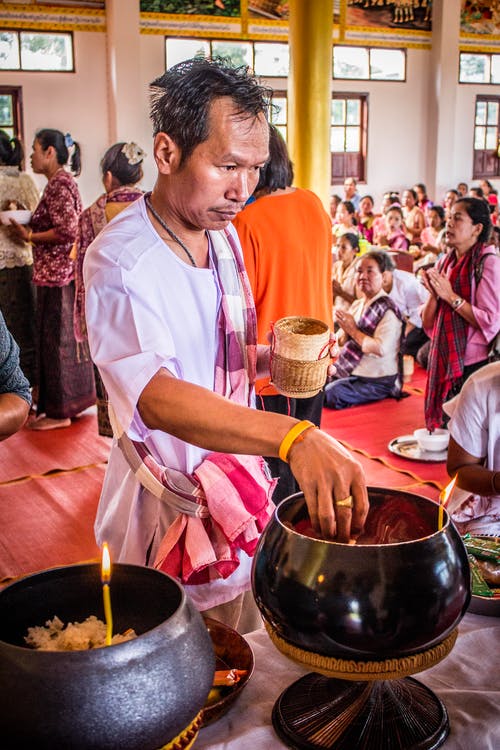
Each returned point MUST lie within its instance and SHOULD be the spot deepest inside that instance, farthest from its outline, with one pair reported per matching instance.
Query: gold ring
(345, 503)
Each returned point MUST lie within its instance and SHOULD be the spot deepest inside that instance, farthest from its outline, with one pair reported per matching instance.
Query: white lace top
(16, 186)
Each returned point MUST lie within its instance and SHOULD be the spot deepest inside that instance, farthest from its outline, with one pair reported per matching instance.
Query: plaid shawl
(449, 335)
(351, 353)
(225, 504)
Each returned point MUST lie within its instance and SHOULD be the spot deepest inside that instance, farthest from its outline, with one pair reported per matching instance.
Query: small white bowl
(432, 441)
(21, 216)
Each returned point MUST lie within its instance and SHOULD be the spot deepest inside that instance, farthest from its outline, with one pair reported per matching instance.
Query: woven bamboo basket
(299, 356)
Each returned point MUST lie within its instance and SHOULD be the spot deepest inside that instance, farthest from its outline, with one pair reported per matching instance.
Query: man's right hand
(326, 473)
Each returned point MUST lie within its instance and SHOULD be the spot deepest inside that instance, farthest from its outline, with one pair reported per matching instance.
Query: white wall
(74, 103)
(397, 122)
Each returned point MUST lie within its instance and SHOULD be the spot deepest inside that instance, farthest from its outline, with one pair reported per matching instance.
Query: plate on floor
(406, 446)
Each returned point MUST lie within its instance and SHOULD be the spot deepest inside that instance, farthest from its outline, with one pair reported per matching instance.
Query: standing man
(351, 192)
(15, 397)
(171, 326)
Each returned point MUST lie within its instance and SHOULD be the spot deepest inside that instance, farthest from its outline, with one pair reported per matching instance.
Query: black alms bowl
(136, 695)
(401, 591)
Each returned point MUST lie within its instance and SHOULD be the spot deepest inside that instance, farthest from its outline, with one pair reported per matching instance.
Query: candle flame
(446, 493)
(106, 564)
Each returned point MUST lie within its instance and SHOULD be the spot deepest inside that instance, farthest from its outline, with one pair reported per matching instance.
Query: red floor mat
(30, 453)
(48, 521)
(368, 430)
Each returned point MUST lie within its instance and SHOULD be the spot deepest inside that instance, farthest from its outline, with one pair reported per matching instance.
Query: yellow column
(309, 94)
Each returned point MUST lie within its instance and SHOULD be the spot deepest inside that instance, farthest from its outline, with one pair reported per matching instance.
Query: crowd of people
(162, 313)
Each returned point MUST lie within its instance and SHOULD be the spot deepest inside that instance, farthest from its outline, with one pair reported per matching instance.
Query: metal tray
(406, 446)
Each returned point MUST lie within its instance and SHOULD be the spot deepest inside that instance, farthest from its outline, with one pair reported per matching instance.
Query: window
(369, 63)
(348, 136)
(35, 50)
(486, 127)
(278, 112)
(10, 111)
(268, 59)
(479, 68)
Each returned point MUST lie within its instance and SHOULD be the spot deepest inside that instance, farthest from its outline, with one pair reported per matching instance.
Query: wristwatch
(458, 302)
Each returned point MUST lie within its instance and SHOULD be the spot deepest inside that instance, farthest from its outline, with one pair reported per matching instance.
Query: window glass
(337, 136)
(479, 138)
(353, 112)
(491, 139)
(278, 110)
(41, 51)
(387, 64)
(495, 69)
(474, 68)
(338, 111)
(492, 113)
(271, 59)
(179, 50)
(350, 62)
(6, 114)
(481, 109)
(9, 51)
(239, 53)
(352, 139)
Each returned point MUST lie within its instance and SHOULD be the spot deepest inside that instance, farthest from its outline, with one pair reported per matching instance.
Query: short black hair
(382, 259)
(479, 211)
(116, 162)
(182, 96)
(11, 150)
(50, 137)
(278, 170)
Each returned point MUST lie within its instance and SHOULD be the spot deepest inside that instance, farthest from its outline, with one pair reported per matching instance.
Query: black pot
(136, 695)
(368, 601)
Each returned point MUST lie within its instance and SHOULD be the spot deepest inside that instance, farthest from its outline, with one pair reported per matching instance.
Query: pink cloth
(237, 493)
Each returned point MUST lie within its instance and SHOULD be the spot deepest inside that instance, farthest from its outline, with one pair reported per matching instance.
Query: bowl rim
(296, 495)
(95, 651)
(238, 688)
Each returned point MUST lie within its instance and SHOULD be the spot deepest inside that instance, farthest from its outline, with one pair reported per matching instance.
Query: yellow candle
(444, 496)
(105, 578)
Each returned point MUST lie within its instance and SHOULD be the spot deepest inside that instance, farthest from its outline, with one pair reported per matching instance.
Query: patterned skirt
(17, 303)
(66, 384)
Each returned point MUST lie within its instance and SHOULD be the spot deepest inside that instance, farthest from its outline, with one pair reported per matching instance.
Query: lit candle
(105, 578)
(444, 496)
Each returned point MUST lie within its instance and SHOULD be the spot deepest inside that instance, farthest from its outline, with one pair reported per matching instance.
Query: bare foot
(47, 423)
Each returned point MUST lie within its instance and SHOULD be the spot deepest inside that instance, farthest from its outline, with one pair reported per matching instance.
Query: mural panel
(390, 14)
(229, 8)
(480, 17)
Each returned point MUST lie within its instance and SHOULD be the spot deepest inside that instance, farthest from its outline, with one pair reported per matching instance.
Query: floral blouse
(15, 186)
(59, 209)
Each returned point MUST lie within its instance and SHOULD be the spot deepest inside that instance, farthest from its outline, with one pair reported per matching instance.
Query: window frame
(229, 40)
(20, 69)
(490, 55)
(359, 174)
(485, 155)
(369, 50)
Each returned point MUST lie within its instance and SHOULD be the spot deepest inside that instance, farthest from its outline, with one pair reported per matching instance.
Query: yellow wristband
(291, 437)
(30, 235)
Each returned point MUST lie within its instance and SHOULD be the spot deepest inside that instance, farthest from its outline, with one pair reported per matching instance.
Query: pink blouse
(59, 209)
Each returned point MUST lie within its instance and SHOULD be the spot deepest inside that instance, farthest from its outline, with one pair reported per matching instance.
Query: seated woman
(369, 364)
(474, 452)
(413, 216)
(345, 219)
(366, 217)
(394, 236)
(344, 271)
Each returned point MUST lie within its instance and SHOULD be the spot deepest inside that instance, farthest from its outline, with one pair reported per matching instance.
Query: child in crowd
(394, 237)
